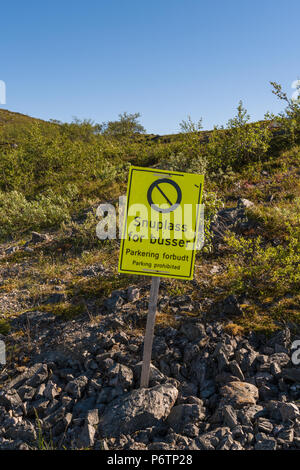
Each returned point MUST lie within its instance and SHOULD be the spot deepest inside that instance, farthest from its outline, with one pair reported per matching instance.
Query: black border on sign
(156, 273)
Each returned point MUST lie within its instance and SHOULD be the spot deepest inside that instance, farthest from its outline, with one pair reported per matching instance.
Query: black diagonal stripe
(161, 191)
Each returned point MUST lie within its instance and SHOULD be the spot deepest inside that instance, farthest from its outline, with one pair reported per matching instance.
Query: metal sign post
(149, 334)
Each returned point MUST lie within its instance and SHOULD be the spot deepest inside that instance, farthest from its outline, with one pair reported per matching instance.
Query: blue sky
(163, 58)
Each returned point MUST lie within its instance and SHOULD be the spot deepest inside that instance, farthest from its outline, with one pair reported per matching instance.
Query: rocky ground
(208, 388)
(72, 384)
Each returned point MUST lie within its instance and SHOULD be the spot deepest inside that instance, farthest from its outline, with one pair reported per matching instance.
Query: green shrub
(183, 162)
(4, 326)
(263, 270)
(212, 204)
(240, 143)
(18, 215)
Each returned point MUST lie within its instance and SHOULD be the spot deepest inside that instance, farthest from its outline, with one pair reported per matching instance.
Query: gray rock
(208, 441)
(114, 302)
(38, 407)
(245, 358)
(190, 351)
(240, 394)
(245, 203)
(238, 433)
(26, 393)
(104, 395)
(103, 445)
(10, 399)
(222, 359)
(33, 377)
(286, 436)
(236, 446)
(181, 303)
(282, 359)
(120, 375)
(263, 378)
(155, 377)
(39, 377)
(187, 389)
(275, 369)
(229, 219)
(230, 416)
(133, 294)
(193, 330)
(82, 407)
(76, 387)
(24, 431)
(288, 411)
(236, 370)
(266, 444)
(183, 414)
(39, 237)
(247, 415)
(230, 306)
(121, 337)
(92, 417)
(137, 410)
(226, 443)
(268, 392)
(160, 347)
(264, 425)
(56, 298)
(51, 390)
(207, 388)
(92, 271)
(296, 442)
(198, 370)
(11, 250)
(225, 377)
(40, 391)
(86, 438)
(292, 374)
(191, 400)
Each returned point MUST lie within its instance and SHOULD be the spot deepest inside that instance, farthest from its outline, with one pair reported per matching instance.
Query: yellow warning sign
(161, 223)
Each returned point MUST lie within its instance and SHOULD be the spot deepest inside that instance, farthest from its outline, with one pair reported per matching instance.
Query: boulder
(239, 394)
(288, 411)
(39, 237)
(193, 330)
(120, 375)
(86, 438)
(182, 415)
(292, 374)
(75, 387)
(32, 377)
(137, 410)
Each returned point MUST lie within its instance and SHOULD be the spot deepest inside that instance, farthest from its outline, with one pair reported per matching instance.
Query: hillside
(73, 327)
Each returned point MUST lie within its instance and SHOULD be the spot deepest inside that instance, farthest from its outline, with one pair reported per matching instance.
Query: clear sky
(163, 58)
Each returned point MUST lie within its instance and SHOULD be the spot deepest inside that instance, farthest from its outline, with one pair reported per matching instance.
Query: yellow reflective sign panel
(161, 223)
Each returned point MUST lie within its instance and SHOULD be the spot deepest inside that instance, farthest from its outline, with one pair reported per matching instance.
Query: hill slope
(63, 304)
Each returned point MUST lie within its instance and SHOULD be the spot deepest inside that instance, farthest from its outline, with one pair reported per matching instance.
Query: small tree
(189, 126)
(78, 129)
(187, 156)
(127, 125)
(190, 155)
(239, 143)
(289, 119)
